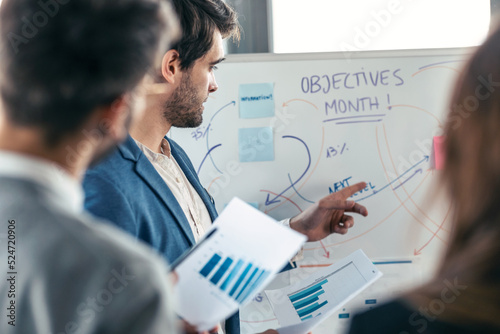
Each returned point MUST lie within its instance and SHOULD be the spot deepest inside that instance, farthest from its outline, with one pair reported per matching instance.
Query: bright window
(340, 25)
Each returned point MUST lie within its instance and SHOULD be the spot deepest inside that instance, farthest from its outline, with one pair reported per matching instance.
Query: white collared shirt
(190, 201)
(188, 198)
(63, 190)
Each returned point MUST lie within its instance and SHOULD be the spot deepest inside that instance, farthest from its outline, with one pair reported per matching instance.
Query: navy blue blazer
(126, 189)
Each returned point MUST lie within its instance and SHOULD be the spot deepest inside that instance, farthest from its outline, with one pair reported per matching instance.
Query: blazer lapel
(195, 182)
(148, 173)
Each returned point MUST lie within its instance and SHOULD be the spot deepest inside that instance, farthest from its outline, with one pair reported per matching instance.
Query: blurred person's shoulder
(398, 316)
(81, 269)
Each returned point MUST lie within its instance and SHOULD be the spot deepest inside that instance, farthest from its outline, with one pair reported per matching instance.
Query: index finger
(351, 190)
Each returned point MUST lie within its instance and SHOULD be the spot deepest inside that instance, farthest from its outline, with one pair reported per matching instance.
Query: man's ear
(170, 66)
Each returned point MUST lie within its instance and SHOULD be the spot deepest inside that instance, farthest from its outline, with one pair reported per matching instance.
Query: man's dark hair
(199, 20)
(61, 59)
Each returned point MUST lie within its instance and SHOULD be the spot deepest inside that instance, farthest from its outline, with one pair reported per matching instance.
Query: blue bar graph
(308, 300)
(262, 276)
(307, 292)
(311, 309)
(240, 279)
(207, 269)
(246, 285)
(231, 276)
(221, 271)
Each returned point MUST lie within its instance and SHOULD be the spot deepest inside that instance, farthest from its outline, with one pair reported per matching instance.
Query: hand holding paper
(240, 256)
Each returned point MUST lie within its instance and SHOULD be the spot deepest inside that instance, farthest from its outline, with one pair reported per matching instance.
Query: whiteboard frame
(266, 57)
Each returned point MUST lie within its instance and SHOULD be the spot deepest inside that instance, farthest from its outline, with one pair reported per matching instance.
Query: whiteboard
(338, 119)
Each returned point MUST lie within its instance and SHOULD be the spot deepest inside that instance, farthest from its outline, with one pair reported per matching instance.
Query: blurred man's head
(62, 61)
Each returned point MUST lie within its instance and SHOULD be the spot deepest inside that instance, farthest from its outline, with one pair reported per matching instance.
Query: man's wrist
(294, 224)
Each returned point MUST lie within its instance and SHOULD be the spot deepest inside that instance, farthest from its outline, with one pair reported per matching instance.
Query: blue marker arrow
(275, 199)
(296, 191)
(208, 132)
(409, 178)
(375, 191)
(206, 155)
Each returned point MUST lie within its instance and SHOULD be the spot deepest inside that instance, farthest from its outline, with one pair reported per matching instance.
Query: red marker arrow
(327, 253)
(419, 251)
(285, 104)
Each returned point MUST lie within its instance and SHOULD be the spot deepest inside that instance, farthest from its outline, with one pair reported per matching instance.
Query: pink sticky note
(438, 152)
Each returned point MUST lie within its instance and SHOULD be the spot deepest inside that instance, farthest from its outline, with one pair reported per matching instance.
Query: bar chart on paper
(231, 263)
(306, 302)
(238, 279)
(309, 302)
(312, 300)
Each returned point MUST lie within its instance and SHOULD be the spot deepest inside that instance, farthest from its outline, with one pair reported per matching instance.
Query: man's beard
(184, 108)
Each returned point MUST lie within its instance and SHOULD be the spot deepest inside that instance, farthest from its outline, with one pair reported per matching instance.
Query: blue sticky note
(256, 100)
(256, 144)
